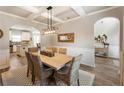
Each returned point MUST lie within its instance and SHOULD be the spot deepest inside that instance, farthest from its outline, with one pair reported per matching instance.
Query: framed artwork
(66, 37)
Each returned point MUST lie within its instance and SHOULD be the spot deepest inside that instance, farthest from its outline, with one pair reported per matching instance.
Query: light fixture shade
(51, 31)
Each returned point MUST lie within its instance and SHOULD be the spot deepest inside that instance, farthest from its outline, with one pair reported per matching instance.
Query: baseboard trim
(82, 65)
(108, 57)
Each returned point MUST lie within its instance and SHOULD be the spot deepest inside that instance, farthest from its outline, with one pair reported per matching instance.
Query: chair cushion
(46, 73)
(64, 70)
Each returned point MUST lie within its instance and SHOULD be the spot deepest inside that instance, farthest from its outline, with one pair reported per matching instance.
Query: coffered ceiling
(61, 14)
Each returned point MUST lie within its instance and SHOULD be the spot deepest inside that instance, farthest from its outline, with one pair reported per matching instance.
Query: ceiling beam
(90, 14)
(79, 10)
(103, 10)
(33, 16)
(60, 9)
(19, 17)
(53, 17)
(44, 14)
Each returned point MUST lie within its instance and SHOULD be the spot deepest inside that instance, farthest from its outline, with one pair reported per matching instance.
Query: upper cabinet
(26, 36)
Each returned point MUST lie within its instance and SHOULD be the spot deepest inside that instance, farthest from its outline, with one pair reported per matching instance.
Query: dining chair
(30, 67)
(38, 46)
(62, 50)
(47, 53)
(41, 72)
(52, 49)
(49, 49)
(33, 49)
(70, 74)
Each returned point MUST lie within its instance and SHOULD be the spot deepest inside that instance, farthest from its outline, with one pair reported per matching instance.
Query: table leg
(1, 82)
(52, 79)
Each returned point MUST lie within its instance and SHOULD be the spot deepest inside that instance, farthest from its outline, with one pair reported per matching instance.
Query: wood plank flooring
(106, 70)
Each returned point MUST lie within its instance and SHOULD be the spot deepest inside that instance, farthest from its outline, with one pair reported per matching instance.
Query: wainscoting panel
(88, 54)
(4, 58)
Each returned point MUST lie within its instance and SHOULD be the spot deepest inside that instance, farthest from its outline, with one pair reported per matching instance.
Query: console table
(103, 52)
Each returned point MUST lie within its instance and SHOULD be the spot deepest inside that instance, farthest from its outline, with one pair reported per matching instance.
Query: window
(16, 36)
(36, 37)
(26, 36)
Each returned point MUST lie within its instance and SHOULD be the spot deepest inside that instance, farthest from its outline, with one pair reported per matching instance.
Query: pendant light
(50, 29)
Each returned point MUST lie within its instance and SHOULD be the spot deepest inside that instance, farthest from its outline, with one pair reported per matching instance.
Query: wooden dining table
(56, 62)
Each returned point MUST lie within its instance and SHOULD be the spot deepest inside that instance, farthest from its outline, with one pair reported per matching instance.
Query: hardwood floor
(1, 71)
(106, 70)
(15, 62)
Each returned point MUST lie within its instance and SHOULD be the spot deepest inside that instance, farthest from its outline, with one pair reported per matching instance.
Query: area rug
(17, 77)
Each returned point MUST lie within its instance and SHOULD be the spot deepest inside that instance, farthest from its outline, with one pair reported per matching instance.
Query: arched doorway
(22, 37)
(107, 48)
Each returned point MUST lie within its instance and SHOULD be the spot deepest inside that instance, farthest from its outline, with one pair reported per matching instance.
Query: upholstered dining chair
(41, 72)
(62, 50)
(33, 49)
(69, 74)
(30, 67)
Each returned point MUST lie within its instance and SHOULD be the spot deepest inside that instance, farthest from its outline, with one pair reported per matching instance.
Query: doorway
(21, 38)
(107, 50)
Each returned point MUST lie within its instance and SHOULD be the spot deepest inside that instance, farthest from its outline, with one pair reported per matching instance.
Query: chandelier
(50, 29)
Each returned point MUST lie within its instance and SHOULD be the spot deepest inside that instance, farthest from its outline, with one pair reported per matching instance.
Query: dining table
(56, 62)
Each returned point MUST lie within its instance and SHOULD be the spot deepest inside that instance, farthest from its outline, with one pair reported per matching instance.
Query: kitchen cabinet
(21, 50)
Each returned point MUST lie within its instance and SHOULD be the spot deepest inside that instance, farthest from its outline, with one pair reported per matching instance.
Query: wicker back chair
(33, 49)
(41, 72)
(70, 74)
(52, 49)
(30, 65)
(62, 50)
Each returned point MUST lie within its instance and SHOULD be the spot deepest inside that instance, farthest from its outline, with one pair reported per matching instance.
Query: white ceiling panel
(60, 14)
(15, 10)
(40, 18)
(90, 9)
(45, 21)
(68, 14)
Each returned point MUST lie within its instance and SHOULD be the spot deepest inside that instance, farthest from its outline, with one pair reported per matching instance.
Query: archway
(107, 45)
(22, 37)
(109, 27)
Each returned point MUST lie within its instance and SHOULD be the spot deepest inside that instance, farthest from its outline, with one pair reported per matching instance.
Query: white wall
(46, 40)
(5, 23)
(83, 39)
(84, 33)
(111, 27)
(8, 21)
